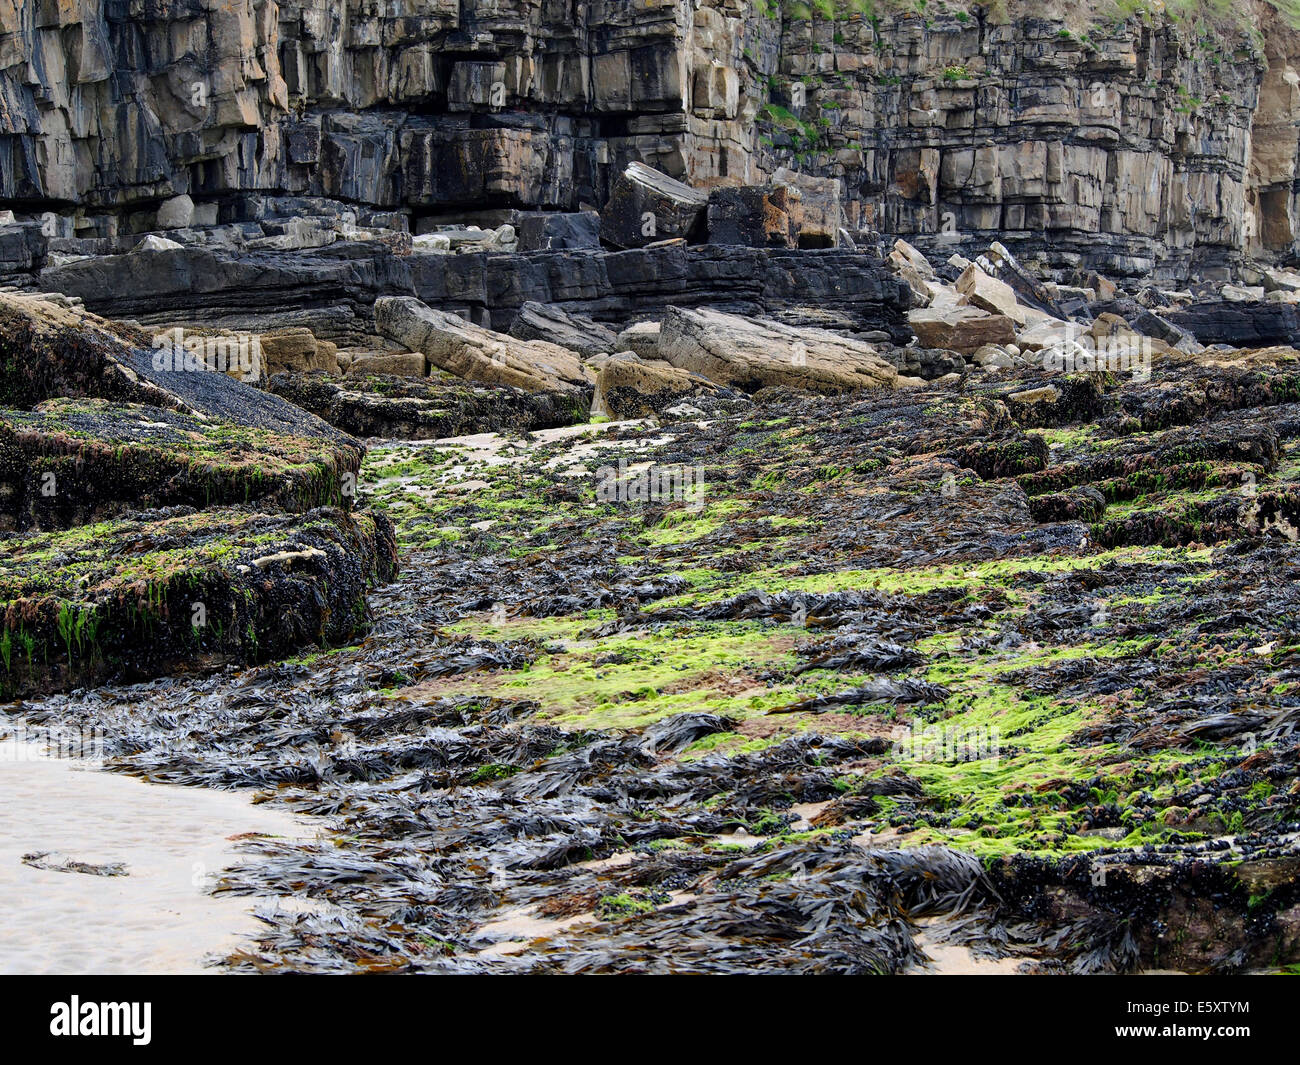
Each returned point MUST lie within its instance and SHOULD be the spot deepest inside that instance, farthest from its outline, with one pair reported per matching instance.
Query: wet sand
(173, 841)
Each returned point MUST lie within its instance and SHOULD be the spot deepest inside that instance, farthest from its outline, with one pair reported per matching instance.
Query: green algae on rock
(71, 462)
(139, 597)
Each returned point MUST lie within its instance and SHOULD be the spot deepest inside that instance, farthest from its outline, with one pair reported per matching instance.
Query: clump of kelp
(860, 695)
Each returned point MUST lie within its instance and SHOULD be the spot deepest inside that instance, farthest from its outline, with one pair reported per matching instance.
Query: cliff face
(1135, 145)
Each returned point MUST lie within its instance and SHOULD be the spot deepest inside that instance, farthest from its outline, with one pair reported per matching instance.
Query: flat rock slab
(478, 354)
(141, 597)
(427, 409)
(961, 329)
(750, 354)
(70, 462)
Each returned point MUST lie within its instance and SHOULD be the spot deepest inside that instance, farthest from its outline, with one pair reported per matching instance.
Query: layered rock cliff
(1122, 139)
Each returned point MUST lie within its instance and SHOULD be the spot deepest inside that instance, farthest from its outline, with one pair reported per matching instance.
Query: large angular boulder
(960, 329)
(541, 321)
(750, 354)
(176, 213)
(821, 213)
(640, 338)
(757, 216)
(989, 294)
(479, 354)
(646, 206)
(915, 269)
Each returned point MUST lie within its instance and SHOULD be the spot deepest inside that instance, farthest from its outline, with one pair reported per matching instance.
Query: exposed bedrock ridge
(234, 289)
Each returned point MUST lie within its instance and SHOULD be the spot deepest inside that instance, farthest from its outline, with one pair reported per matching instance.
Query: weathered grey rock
(645, 207)
(23, 248)
(1242, 293)
(176, 213)
(539, 321)
(559, 231)
(436, 106)
(1153, 325)
(478, 354)
(154, 243)
(991, 356)
(749, 355)
(757, 216)
(332, 290)
(1247, 325)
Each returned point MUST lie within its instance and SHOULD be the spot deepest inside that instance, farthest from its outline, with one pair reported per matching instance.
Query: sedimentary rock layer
(1164, 142)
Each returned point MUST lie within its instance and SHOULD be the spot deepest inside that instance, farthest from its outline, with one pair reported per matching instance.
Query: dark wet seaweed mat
(914, 668)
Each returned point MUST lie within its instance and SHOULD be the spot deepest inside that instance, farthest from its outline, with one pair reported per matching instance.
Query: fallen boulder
(989, 294)
(750, 354)
(757, 216)
(821, 215)
(960, 329)
(479, 354)
(646, 206)
(640, 338)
